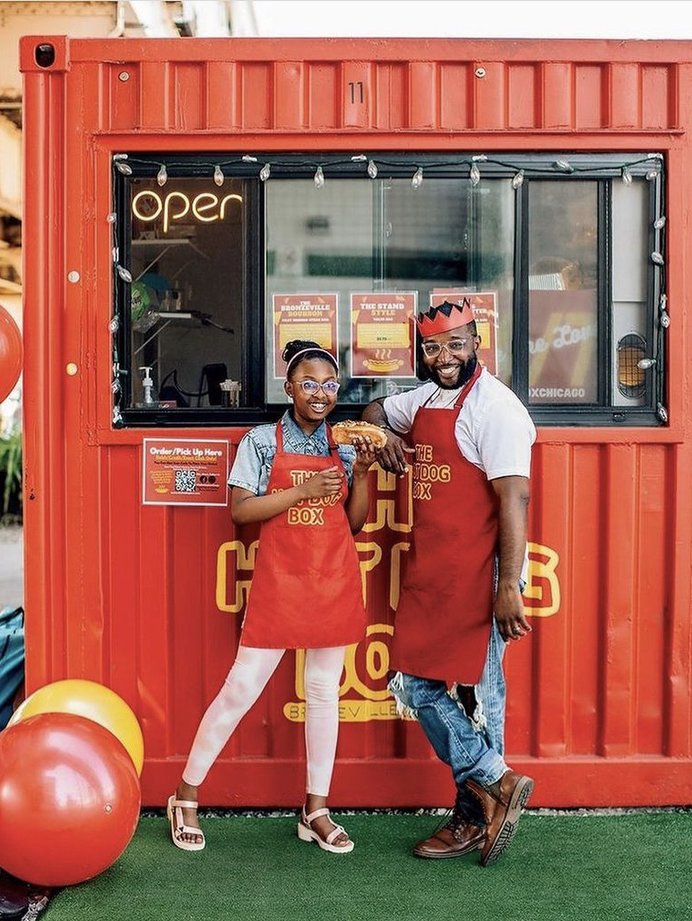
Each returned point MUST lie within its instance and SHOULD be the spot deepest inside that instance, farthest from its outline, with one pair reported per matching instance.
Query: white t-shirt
(493, 430)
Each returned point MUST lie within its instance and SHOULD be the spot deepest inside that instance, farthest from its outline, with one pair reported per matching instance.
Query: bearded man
(468, 439)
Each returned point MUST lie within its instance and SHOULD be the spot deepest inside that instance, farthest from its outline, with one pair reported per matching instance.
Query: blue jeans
(473, 748)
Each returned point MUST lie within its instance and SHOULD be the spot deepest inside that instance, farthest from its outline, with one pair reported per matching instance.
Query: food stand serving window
(220, 261)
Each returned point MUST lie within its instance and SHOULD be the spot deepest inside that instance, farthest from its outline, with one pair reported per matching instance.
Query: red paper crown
(443, 318)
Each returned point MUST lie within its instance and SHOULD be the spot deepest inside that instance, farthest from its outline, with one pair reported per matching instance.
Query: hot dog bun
(345, 432)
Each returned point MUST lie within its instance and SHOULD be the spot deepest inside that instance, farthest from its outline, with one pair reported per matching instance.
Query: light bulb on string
(117, 416)
(248, 158)
(358, 158)
(123, 167)
(265, 172)
(162, 175)
(474, 175)
(417, 180)
(660, 222)
(657, 258)
(123, 273)
(664, 316)
(518, 179)
(115, 254)
(114, 325)
(372, 169)
(564, 165)
(112, 217)
(626, 175)
(218, 175)
(319, 178)
(652, 174)
(645, 363)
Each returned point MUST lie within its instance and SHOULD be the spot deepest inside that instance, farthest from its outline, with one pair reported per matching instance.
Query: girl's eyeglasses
(331, 388)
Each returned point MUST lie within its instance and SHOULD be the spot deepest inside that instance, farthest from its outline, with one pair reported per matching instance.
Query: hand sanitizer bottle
(147, 386)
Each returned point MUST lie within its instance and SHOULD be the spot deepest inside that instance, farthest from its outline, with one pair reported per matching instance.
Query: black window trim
(603, 167)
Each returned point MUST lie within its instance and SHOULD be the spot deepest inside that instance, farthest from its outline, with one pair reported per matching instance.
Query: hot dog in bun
(345, 432)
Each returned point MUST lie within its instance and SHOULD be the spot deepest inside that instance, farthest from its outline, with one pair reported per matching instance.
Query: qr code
(185, 480)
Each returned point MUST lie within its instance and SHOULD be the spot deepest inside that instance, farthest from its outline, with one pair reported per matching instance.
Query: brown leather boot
(502, 809)
(456, 837)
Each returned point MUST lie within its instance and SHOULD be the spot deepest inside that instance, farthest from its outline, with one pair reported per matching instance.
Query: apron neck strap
(280, 438)
(459, 402)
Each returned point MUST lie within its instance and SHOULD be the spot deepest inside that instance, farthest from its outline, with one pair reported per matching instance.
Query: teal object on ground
(11, 659)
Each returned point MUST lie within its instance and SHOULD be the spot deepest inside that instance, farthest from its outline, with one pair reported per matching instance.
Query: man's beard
(465, 374)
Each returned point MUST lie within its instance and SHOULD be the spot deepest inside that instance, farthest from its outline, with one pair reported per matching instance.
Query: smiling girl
(310, 497)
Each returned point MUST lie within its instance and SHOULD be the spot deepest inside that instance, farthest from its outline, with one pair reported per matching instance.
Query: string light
(123, 273)
(664, 316)
(319, 178)
(660, 222)
(112, 217)
(657, 258)
(374, 166)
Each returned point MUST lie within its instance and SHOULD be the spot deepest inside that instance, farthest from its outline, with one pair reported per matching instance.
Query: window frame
(604, 168)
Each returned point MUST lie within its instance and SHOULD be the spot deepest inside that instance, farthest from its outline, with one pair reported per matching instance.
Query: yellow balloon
(93, 701)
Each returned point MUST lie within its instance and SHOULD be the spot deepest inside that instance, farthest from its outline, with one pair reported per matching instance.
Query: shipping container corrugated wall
(147, 599)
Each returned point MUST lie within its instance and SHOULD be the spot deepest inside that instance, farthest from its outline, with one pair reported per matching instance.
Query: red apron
(445, 613)
(306, 589)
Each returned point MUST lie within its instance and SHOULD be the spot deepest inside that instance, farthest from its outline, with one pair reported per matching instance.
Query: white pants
(245, 682)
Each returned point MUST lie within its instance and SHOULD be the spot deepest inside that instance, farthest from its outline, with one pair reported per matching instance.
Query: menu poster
(563, 347)
(382, 343)
(484, 306)
(184, 472)
(303, 316)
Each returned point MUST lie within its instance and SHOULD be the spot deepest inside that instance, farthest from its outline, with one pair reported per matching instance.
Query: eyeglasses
(331, 388)
(432, 349)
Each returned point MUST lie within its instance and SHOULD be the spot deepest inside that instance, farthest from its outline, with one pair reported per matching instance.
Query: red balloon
(10, 353)
(69, 799)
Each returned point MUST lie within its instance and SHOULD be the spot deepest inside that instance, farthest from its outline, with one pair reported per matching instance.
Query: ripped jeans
(472, 746)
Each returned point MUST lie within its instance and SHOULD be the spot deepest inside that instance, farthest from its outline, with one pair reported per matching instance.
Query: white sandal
(305, 833)
(174, 811)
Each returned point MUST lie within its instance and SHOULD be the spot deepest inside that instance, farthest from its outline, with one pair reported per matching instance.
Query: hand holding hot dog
(325, 483)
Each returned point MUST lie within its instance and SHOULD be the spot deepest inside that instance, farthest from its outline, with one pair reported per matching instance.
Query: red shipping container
(147, 599)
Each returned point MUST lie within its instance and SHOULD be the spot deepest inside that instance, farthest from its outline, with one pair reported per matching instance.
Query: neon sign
(206, 207)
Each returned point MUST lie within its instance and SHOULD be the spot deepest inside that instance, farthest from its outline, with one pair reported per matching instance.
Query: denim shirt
(253, 462)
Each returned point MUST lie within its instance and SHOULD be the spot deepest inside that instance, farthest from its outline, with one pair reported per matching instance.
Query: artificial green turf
(558, 868)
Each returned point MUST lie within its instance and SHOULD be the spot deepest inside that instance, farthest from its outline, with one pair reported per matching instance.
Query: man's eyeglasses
(432, 349)
(331, 388)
